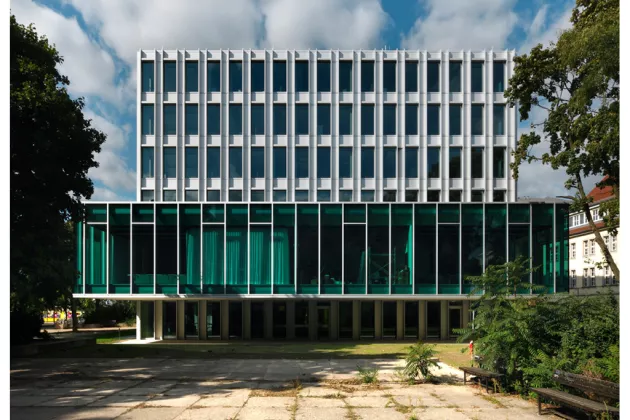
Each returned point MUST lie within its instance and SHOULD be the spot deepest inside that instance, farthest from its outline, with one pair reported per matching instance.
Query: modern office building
(317, 194)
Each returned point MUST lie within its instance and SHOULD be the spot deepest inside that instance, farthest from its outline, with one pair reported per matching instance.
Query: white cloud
(539, 20)
(105, 194)
(535, 34)
(462, 25)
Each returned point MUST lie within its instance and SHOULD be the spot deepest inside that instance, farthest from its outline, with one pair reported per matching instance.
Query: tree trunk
(75, 318)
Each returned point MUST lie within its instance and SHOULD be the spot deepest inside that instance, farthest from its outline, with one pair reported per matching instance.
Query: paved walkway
(159, 389)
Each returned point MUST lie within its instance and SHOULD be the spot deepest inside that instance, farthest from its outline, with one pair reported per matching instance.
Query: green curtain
(97, 252)
(361, 278)
(409, 252)
(193, 252)
(281, 257)
(260, 255)
(236, 260)
(118, 259)
(213, 255)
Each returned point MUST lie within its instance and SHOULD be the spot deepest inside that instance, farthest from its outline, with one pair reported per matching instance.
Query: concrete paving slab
(28, 400)
(264, 414)
(173, 401)
(39, 413)
(433, 413)
(94, 413)
(70, 401)
(121, 401)
(274, 402)
(153, 413)
(315, 402)
(214, 413)
(233, 400)
(380, 414)
(319, 391)
(369, 402)
(321, 413)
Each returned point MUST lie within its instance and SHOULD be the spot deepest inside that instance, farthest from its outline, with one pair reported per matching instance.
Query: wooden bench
(482, 374)
(608, 390)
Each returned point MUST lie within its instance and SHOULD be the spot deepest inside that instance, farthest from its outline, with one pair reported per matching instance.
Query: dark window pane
(345, 119)
(214, 119)
(367, 76)
(213, 195)
(345, 162)
(411, 196)
(192, 119)
(280, 195)
(301, 162)
(476, 162)
(345, 196)
(498, 196)
(411, 119)
(455, 120)
(191, 162)
(367, 195)
(301, 119)
(258, 76)
(236, 162)
(279, 162)
(476, 120)
(389, 196)
(257, 195)
(455, 76)
(279, 76)
(433, 196)
(279, 119)
(433, 162)
(433, 76)
(170, 119)
(455, 196)
(323, 162)
(170, 162)
(147, 195)
(498, 164)
(367, 162)
(323, 195)
(498, 119)
(454, 162)
(148, 120)
(235, 195)
(192, 76)
(323, 76)
(148, 162)
(214, 162)
(236, 76)
(411, 162)
(170, 76)
(214, 76)
(301, 76)
(498, 76)
(323, 119)
(301, 195)
(367, 120)
(476, 196)
(236, 119)
(476, 76)
(433, 120)
(389, 76)
(169, 195)
(411, 76)
(389, 120)
(258, 162)
(496, 235)
(389, 162)
(258, 120)
(448, 259)
(191, 195)
(345, 76)
(148, 77)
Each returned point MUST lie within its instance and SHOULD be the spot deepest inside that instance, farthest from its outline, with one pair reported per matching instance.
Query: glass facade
(476, 120)
(367, 119)
(433, 76)
(192, 76)
(257, 120)
(148, 162)
(169, 126)
(148, 76)
(498, 120)
(433, 120)
(148, 120)
(169, 160)
(455, 76)
(279, 119)
(214, 76)
(258, 76)
(433, 162)
(389, 162)
(213, 162)
(411, 76)
(476, 162)
(498, 76)
(279, 76)
(301, 76)
(170, 76)
(411, 162)
(345, 76)
(367, 76)
(323, 162)
(367, 162)
(323, 119)
(389, 76)
(345, 162)
(301, 119)
(257, 162)
(323, 76)
(476, 76)
(345, 119)
(279, 162)
(411, 119)
(213, 119)
(236, 76)
(192, 119)
(236, 119)
(455, 120)
(455, 162)
(301, 162)
(191, 163)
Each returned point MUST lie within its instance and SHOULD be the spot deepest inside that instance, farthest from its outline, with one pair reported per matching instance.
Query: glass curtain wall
(472, 244)
(284, 248)
(96, 250)
(542, 238)
(331, 248)
(425, 258)
(378, 266)
(354, 249)
(119, 248)
(165, 248)
(190, 249)
(260, 248)
(213, 248)
(402, 249)
(518, 236)
(448, 249)
(307, 248)
(236, 249)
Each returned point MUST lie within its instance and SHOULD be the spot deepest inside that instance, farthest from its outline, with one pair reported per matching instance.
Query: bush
(419, 361)
(367, 375)
(25, 325)
(119, 311)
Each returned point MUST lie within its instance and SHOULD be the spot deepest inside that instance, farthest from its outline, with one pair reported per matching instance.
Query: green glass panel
(284, 248)
(331, 249)
(236, 248)
(562, 248)
(355, 261)
(496, 234)
(96, 213)
(143, 267)
(119, 248)
(78, 285)
(402, 248)
(354, 213)
(143, 212)
(518, 213)
(542, 244)
(472, 243)
(260, 258)
(213, 248)
(119, 214)
(518, 245)
(448, 254)
(95, 259)
(448, 213)
(378, 248)
(166, 215)
(307, 244)
(190, 259)
(260, 213)
(425, 259)
(213, 213)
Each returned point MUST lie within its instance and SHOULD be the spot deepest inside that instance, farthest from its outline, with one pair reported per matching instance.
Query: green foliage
(116, 310)
(367, 375)
(419, 361)
(25, 325)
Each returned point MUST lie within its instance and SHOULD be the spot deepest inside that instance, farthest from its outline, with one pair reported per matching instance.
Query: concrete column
(312, 320)
(444, 333)
(465, 313)
(334, 320)
(400, 319)
(158, 314)
(203, 311)
(225, 319)
(268, 320)
(290, 319)
(378, 319)
(247, 320)
(180, 320)
(138, 320)
(422, 321)
(356, 319)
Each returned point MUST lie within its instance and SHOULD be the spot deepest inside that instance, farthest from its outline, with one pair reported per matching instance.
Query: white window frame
(592, 276)
(585, 248)
(573, 250)
(592, 247)
(585, 278)
(613, 243)
(607, 276)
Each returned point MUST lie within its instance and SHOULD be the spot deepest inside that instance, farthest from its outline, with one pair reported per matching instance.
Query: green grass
(112, 337)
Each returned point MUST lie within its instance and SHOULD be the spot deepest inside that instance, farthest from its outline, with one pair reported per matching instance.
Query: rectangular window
(279, 76)
(323, 162)
(389, 76)
(279, 162)
(323, 195)
(389, 196)
(592, 277)
(345, 162)
(389, 162)
(170, 119)
(411, 119)
(613, 246)
(433, 196)
(192, 76)
(573, 250)
(323, 119)
(191, 195)
(258, 76)
(170, 162)
(367, 119)
(192, 119)
(455, 120)
(257, 195)
(389, 120)
(367, 195)
(280, 196)
(345, 119)
(345, 196)
(454, 196)
(476, 162)
(454, 162)
(148, 162)
(236, 119)
(498, 120)
(367, 162)
(323, 76)
(214, 162)
(301, 76)
(169, 195)
(367, 76)
(585, 248)
(433, 120)
(476, 76)
(592, 251)
(301, 195)
(301, 119)
(301, 162)
(345, 76)
(279, 119)
(235, 195)
(170, 76)
(498, 76)
(455, 76)
(498, 196)
(257, 163)
(258, 120)
(191, 163)
(433, 162)
(433, 76)
(411, 76)
(148, 76)
(148, 120)
(236, 162)
(498, 162)
(147, 195)
(476, 120)
(411, 162)
(214, 76)
(476, 196)
(214, 119)
(236, 76)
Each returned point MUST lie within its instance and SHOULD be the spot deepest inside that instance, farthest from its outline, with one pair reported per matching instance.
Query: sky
(99, 40)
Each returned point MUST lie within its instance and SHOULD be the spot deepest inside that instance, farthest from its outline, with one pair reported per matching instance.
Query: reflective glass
(170, 76)
(433, 162)
(389, 76)
(367, 162)
(472, 243)
(170, 162)
(496, 231)
(258, 162)
(236, 162)
(323, 162)
(279, 76)
(323, 76)
(455, 76)
(323, 195)
(433, 76)
(191, 195)
(331, 248)
(192, 76)
(433, 196)
(498, 162)
(236, 255)
(345, 162)
(345, 196)
(258, 120)
(213, 195)
(280, 196)
(214, 76)
(345, 119)
(476, 76)
(191, 162)
(455, 120)
(345, 76)
(367, 76)
(148, 120)
(498, 76)
(455, 196)
(367, 195)
(301, 119)
(378, 248)
(476, 120)
(476, 196)
(411, 119)
(476, 162)
(448, 254)
(323, 119)
(235, 195)
(411, 162)
(389, 196)
(389, 120)
(454, 162)
(498, 120)
(257, 195)
(279, 119)
(170, 119)
(214, 162)
(214, 119)
(425, 260)
(147, 195)
(307, 246)
(148, 76)
(301, 162)
(367, 119)
(236, 76)
(411, 76)
(354, 258)
(279, 162)
(389, 162)
(192, 119)
(433, 120)
(236, 119)
(301, 195)
(148, 164)
(301, 76)
(284, 248)
(169, 195)
(258, 76)
(411, 196)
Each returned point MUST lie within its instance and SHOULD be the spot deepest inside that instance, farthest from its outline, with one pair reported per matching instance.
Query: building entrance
(323, 322)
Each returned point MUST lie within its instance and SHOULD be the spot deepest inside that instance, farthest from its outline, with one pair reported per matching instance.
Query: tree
(52, 149)
(576, 82)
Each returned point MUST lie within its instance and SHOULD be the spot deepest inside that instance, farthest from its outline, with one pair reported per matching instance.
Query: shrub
(25, 325)
(367, 375)
(420, 360)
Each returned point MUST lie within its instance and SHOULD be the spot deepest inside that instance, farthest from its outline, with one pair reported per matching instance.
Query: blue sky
(99, 40)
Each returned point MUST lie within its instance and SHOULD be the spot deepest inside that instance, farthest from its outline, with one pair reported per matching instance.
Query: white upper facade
(324, 125)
